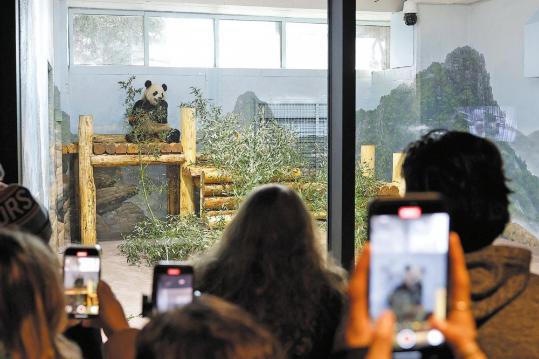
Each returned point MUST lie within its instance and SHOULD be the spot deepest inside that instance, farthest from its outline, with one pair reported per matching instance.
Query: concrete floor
(128, 282)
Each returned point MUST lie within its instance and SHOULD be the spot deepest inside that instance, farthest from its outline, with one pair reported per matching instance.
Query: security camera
(410, 12)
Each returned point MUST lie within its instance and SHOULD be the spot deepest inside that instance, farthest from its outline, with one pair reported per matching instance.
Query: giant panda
(149, 116)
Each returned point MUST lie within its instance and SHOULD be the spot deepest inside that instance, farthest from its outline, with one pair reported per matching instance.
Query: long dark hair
(269, 262)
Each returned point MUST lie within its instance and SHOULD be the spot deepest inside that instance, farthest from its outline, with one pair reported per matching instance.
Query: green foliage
(255, 153)
(176, 238)
(131, 95)
(366, 188)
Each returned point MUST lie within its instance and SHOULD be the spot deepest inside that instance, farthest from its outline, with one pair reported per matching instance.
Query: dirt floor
(128, 282)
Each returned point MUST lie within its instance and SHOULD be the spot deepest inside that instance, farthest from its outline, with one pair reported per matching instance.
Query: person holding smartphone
(469, 171)
(365, 339)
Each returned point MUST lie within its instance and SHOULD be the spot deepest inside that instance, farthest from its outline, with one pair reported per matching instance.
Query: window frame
(73, 11)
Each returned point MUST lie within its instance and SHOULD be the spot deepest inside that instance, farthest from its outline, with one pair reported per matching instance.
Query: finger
(460, 281)
(382, 345)
(103, 289)
(358, 286)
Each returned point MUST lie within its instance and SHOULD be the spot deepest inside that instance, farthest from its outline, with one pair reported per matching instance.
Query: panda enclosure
(184, 173)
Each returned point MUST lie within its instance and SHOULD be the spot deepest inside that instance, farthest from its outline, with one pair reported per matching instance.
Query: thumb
(382, 344)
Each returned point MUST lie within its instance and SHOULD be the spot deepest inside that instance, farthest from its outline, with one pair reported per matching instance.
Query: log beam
(135, 160)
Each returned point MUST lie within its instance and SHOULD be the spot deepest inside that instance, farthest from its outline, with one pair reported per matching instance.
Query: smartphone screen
(172, 287)
(81, 276)
(408, 269)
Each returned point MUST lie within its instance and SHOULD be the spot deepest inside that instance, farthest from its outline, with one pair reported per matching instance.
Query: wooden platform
(97, 150)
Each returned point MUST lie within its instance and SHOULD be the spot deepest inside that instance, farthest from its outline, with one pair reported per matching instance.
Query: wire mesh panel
(309, 121)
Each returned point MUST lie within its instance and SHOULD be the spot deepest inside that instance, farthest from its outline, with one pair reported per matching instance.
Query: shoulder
(139, 104)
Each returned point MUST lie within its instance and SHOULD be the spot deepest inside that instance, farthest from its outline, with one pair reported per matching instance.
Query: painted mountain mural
(453, 95)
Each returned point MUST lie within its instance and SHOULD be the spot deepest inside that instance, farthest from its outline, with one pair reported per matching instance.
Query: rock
(247, 107)
(517, 233)
(102, 228)
(114, 224)
(111, 198)
(106, 177)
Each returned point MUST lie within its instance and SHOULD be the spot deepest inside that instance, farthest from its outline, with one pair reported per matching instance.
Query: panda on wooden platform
(149, 117)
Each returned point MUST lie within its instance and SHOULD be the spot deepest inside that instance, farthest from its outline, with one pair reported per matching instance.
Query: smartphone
(409, 241)
(172, 286)
(82, 270)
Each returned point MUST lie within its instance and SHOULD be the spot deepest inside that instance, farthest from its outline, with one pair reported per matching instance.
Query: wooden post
(188, 140)
(86, 181)
(398, 159)
(368, 160)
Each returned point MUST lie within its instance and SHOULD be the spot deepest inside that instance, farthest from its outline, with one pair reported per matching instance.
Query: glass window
(181, 42)
(108, 40)
(249, 44)
(306, 46)
(452, 75)
(372, 47)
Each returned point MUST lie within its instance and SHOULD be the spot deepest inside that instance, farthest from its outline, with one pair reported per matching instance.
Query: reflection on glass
(182, 42)
(306, 46)
(249, 44)
(108, 40)
(372, 47)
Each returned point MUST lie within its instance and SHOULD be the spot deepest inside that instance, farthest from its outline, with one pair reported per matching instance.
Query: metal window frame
(216, 19)
(342, 130)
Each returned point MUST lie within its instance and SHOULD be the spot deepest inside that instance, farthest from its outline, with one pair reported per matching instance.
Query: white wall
(36, 53)
(441, 29)
(497, 31)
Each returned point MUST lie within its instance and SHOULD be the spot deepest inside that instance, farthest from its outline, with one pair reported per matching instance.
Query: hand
(111, 314)
(360, 331)
(459, 329)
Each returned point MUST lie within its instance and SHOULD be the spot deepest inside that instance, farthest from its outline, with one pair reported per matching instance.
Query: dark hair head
(207, 328)
(269, 263)
(468, 171)
(32, 305)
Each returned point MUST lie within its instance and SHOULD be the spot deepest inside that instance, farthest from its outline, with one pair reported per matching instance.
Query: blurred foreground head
(32, 299)
(207, 328)
(19, 210)
(468, 171)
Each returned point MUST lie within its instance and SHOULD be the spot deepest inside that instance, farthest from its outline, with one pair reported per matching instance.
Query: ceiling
(305, 8)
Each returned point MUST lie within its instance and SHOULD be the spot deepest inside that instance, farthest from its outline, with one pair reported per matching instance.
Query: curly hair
(269, 263)
(207, 328)
(468, 171)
